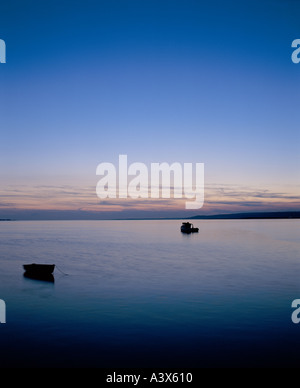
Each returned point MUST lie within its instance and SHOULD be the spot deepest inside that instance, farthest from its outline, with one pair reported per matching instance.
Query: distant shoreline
(247, 216)
(230, 216)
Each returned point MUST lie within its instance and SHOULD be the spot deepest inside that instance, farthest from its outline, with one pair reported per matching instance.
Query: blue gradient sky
(174, 81)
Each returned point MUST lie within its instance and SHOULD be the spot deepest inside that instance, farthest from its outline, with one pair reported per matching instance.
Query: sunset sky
(160, 81)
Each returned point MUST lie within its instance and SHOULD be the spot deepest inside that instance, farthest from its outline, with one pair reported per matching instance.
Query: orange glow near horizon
(217, 199)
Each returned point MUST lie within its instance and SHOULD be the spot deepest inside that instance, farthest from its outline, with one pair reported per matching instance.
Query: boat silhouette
(188, 228)
(39, 271)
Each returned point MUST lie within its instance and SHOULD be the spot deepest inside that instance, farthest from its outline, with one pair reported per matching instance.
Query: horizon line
(294, 214)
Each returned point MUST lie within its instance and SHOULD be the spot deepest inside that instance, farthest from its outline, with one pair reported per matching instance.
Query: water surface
(141, 294)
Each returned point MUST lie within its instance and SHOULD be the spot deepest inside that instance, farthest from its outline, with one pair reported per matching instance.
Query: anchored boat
(39, 269)
(187, 227)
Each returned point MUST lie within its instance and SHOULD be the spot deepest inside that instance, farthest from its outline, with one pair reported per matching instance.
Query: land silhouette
(254, 215)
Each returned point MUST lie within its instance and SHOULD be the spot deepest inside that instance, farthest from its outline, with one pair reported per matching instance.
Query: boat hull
(191, 230)
(39, 269)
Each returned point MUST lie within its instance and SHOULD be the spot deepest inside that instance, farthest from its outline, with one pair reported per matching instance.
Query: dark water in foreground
(141, 294)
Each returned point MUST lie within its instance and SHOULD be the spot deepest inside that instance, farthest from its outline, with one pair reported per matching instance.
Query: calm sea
(141, 294)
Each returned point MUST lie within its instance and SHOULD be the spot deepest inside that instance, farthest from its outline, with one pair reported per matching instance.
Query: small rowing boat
(39, 269)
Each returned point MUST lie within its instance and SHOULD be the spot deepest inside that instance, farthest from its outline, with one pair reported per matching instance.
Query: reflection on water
(142, 294)
(40, 277)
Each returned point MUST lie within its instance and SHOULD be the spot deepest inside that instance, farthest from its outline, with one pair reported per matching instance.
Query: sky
(179, 81)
